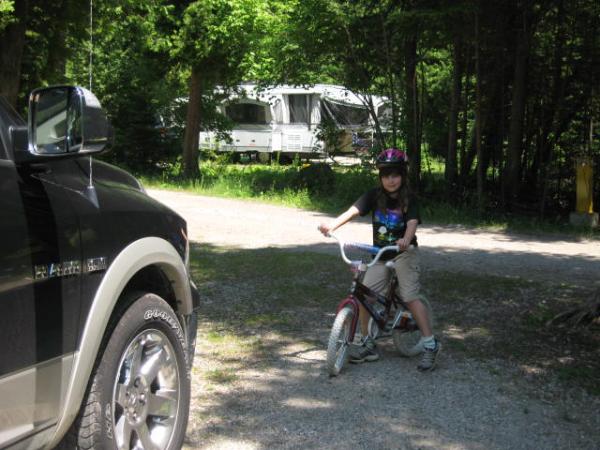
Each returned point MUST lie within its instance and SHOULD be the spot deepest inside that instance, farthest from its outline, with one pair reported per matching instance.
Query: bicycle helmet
(391, 157)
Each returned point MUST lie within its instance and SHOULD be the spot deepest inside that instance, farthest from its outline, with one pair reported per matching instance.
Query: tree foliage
(128, 73)
(504, 94)
(7, 9)
(213, 41)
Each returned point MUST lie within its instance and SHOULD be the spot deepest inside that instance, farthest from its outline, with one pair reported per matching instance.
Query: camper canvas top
(286, 118)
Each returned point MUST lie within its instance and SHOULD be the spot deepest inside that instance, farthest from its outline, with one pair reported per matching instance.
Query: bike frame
(360, 294)
(389, 315)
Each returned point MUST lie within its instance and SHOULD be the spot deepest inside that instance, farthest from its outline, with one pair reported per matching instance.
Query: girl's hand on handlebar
(403, 244)
(325, 229)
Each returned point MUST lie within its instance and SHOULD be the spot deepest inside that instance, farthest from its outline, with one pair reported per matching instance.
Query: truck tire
(138, 395)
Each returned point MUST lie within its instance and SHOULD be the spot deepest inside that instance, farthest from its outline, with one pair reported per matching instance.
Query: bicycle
(389, 314)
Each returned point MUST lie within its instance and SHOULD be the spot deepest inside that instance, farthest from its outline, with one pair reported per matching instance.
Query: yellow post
(585, 190)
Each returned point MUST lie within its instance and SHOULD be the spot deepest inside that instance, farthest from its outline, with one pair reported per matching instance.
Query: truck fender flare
(137, 255)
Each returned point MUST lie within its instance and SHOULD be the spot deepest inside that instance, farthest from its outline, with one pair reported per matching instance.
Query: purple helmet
(391, 157)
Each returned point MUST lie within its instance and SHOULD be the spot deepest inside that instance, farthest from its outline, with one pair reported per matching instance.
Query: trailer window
(344, 114)
(299, 108)
(247, 113)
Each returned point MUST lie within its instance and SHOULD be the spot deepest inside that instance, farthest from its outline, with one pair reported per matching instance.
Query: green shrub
(316, 178)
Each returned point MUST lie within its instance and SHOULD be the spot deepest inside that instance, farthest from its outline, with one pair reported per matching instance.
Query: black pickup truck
(97, 307)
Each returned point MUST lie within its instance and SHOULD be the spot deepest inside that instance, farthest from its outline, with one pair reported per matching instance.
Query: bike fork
(351, 302)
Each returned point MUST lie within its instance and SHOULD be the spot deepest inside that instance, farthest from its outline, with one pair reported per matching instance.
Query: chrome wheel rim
(146, 393)
(342, 347)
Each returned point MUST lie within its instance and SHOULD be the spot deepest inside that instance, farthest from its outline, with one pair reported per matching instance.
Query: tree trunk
(478, 116)
(451, 169)
(471, 151)
(192, 127)
(492, 133)
(412, 111)
(12, 41)
(517, 113)
(464, 129)
(391, 81)
(551, 122)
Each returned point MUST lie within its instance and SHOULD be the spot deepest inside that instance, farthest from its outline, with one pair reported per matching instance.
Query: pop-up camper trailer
(287, 119)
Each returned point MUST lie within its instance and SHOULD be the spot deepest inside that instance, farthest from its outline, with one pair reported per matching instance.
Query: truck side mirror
(64, 121)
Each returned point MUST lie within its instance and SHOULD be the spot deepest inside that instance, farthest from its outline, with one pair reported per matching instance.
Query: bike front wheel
(408, 343)
(339, 341)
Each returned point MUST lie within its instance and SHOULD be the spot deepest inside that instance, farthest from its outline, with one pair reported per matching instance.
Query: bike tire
(339, 341)
(408, 342)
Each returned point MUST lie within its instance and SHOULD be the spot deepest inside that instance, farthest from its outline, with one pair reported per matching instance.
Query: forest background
(503, 96)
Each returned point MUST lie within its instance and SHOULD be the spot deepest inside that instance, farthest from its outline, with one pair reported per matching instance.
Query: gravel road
(247, 224)
(464, 404)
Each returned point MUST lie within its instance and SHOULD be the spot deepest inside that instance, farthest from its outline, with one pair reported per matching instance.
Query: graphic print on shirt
(388, 226)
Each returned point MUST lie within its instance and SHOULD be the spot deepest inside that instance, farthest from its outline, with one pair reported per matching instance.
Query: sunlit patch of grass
(231, 346)
(221, 376)
(214, 337)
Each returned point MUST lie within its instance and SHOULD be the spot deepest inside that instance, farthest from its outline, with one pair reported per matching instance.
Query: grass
(270, 183)
(267, 297)
(581, 374)
(284, 185)
(268, 320)
(220, 376)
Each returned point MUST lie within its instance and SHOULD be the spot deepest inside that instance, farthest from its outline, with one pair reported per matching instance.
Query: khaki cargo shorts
(408, 269)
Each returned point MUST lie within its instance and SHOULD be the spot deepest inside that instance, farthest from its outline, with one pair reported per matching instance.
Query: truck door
(40, 263)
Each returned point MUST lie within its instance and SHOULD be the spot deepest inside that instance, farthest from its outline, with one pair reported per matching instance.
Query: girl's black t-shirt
(387, 217)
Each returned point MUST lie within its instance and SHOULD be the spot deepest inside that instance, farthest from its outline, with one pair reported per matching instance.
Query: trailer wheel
(263, 157)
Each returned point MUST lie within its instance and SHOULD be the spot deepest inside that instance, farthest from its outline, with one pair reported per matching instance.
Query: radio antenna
(91, 39)
(91, 190)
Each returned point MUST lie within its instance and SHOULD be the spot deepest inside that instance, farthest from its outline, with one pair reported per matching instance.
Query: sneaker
(429, 356)
(364, 353)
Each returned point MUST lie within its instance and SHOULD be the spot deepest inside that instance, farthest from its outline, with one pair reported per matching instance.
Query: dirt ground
(286, 400)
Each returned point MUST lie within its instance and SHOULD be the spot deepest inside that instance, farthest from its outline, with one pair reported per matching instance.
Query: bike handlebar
(377, 251)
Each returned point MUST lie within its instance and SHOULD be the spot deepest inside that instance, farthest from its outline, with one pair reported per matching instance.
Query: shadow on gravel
(574, 270)
(518, 235)
(259, 377)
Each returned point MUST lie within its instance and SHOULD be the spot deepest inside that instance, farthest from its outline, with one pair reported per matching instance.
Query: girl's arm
(347, 216)
(411, 229)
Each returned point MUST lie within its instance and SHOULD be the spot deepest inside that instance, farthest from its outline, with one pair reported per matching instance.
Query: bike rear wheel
(408, 343)
(339, 341)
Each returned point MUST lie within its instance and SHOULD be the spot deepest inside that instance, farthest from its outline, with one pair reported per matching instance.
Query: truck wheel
(139, 393)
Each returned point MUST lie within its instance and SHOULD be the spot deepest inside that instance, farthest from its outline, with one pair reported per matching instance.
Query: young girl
(395, 216)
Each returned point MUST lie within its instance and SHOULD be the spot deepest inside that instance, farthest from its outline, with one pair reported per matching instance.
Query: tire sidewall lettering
(108, 422)
(173, 323)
